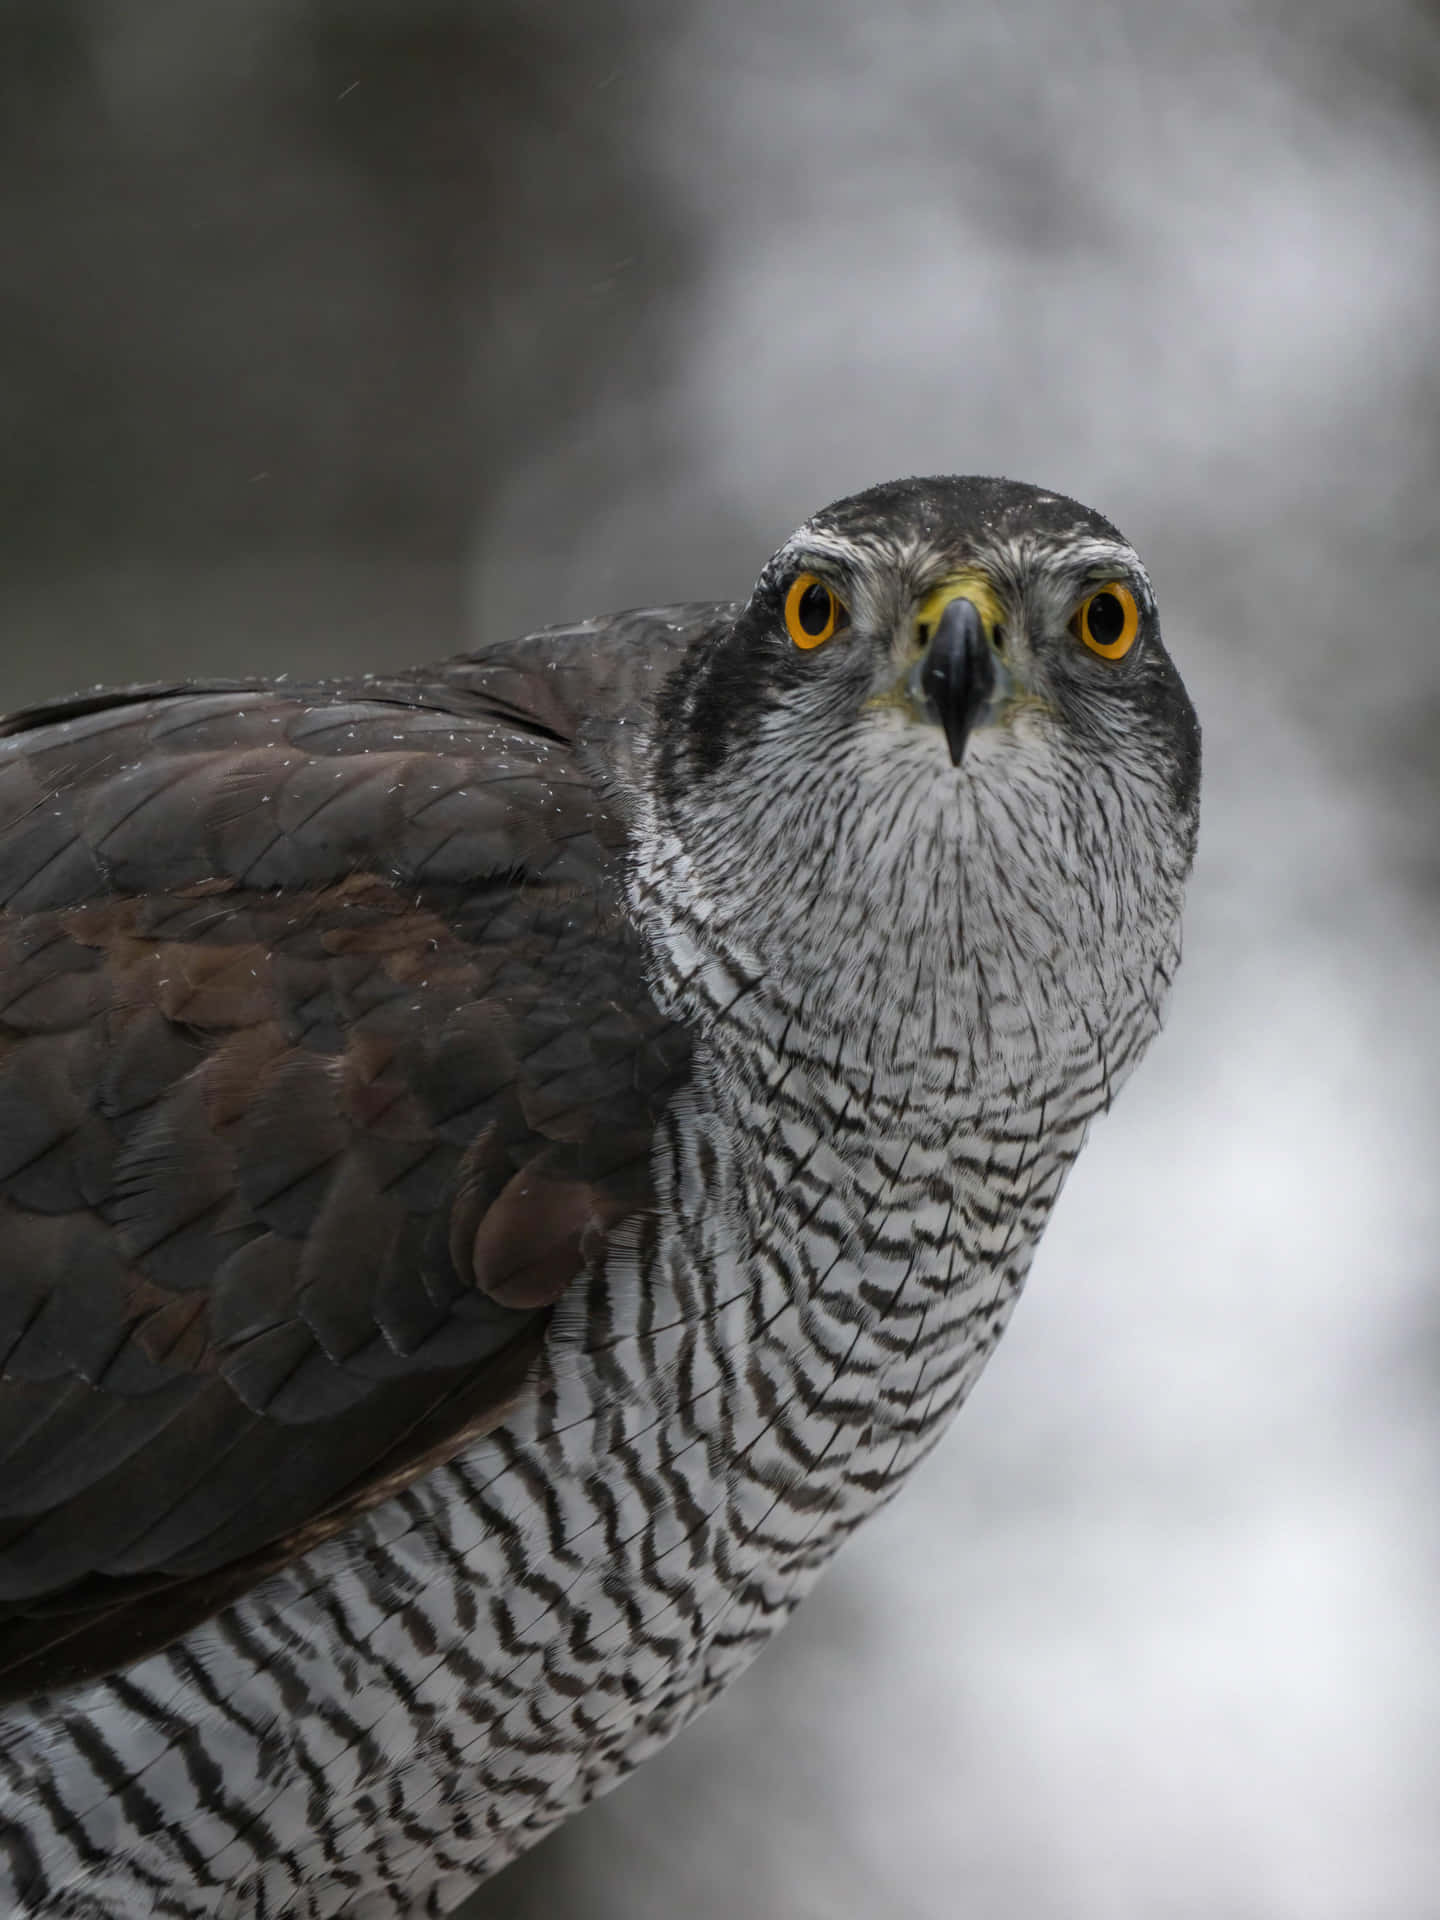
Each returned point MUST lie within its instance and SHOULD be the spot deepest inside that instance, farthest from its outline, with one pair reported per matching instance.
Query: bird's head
(938, 780)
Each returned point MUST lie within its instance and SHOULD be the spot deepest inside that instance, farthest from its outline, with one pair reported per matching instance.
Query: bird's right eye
(812, 612)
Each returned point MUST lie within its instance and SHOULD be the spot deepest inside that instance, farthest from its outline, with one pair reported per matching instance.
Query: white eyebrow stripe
(1028, 565)
(848, 553)
(1040, 569)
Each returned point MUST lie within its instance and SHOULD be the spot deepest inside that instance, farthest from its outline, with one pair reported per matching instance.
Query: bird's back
(325, 1055)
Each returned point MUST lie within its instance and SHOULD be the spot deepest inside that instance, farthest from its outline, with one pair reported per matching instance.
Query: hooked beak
(954, 681)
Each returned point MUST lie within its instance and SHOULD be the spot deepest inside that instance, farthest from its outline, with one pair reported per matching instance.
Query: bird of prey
(504, 1165)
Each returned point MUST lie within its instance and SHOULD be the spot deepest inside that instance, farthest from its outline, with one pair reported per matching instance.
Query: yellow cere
(971, 585)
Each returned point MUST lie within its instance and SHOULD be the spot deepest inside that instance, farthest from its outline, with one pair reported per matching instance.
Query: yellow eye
(1108, 621)
(812, 612)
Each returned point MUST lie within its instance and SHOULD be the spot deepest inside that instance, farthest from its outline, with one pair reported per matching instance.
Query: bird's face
(947, 734)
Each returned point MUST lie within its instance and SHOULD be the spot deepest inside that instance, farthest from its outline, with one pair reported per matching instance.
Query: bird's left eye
(1108, 621)
(812, 612)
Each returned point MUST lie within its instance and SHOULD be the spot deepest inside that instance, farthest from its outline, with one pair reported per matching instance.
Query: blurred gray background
(337, 332)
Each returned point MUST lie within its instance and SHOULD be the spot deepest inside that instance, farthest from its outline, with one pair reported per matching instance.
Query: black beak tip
(958, 676)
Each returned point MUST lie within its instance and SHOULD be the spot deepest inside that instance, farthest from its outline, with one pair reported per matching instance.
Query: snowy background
(338, 332)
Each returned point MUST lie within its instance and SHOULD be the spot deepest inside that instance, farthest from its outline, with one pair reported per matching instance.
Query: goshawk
(504, 1165)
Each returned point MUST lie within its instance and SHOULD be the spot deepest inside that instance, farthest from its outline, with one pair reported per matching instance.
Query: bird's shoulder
(326, 1061)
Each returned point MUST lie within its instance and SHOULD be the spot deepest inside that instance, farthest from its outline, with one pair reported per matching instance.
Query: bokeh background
(339, 332)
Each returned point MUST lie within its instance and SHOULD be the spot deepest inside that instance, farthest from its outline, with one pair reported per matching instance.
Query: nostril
(923, 631)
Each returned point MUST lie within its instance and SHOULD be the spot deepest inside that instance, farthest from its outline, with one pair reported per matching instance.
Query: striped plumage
(502, 1168)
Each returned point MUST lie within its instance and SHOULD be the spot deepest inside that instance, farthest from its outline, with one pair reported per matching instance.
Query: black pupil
(1107, 619)
(814, 608)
